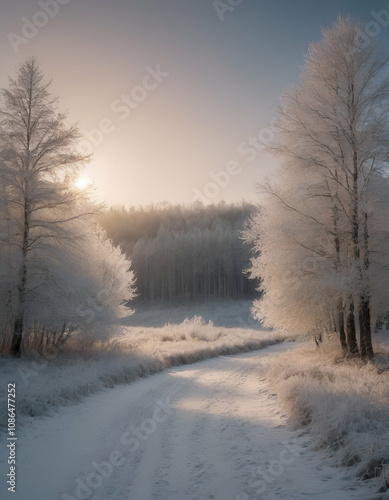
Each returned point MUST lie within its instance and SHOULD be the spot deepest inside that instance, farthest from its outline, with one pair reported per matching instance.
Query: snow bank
(345, 405)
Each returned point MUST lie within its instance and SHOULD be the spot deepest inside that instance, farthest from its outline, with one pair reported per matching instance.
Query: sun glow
(83, 182)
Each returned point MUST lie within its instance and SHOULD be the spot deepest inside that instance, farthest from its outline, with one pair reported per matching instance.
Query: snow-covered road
(204, 431)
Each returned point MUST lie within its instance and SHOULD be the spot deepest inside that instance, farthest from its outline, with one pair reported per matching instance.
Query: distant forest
(180, 252)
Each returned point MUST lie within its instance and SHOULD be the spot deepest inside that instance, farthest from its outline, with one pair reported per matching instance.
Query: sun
(83, 182)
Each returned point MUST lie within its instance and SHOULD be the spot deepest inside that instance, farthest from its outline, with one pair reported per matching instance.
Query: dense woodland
(193, 252)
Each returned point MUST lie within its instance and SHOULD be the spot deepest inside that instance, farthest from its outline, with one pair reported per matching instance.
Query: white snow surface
(210, 430)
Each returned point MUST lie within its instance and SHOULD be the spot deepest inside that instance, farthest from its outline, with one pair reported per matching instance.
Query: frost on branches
(321, 232)
(60, 276)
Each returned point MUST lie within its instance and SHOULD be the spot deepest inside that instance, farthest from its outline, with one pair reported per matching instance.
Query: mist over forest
(185, 252)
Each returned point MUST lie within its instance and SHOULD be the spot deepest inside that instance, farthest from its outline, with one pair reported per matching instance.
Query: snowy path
(221, 437)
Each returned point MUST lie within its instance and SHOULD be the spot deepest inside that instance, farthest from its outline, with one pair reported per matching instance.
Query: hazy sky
(178, 88)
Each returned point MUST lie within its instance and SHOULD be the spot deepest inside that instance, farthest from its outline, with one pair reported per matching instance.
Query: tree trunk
(17, 336)
(341, 329)
(342, 332)
(364, 306)
(352, 346)
(365, 329)
(16, 346)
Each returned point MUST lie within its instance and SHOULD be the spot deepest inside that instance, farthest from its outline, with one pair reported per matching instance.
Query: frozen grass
(194, 340)
(44, 384)
(344, 405)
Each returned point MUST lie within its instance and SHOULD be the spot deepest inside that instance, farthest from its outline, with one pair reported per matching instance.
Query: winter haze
(227, 69)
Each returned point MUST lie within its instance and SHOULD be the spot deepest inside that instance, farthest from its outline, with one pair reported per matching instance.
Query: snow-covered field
(206, 431)
(154, 338)
(240, 427)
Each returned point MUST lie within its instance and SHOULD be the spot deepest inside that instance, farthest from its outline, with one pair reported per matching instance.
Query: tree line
(184, 252)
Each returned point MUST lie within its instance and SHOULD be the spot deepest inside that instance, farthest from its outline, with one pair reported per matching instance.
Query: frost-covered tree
(80, 290)
(333, 150)
(46, 247)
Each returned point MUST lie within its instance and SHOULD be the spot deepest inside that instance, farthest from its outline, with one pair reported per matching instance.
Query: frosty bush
(344, 405)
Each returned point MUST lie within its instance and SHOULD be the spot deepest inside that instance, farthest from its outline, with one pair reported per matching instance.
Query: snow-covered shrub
(195, 328)
(344, 405)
